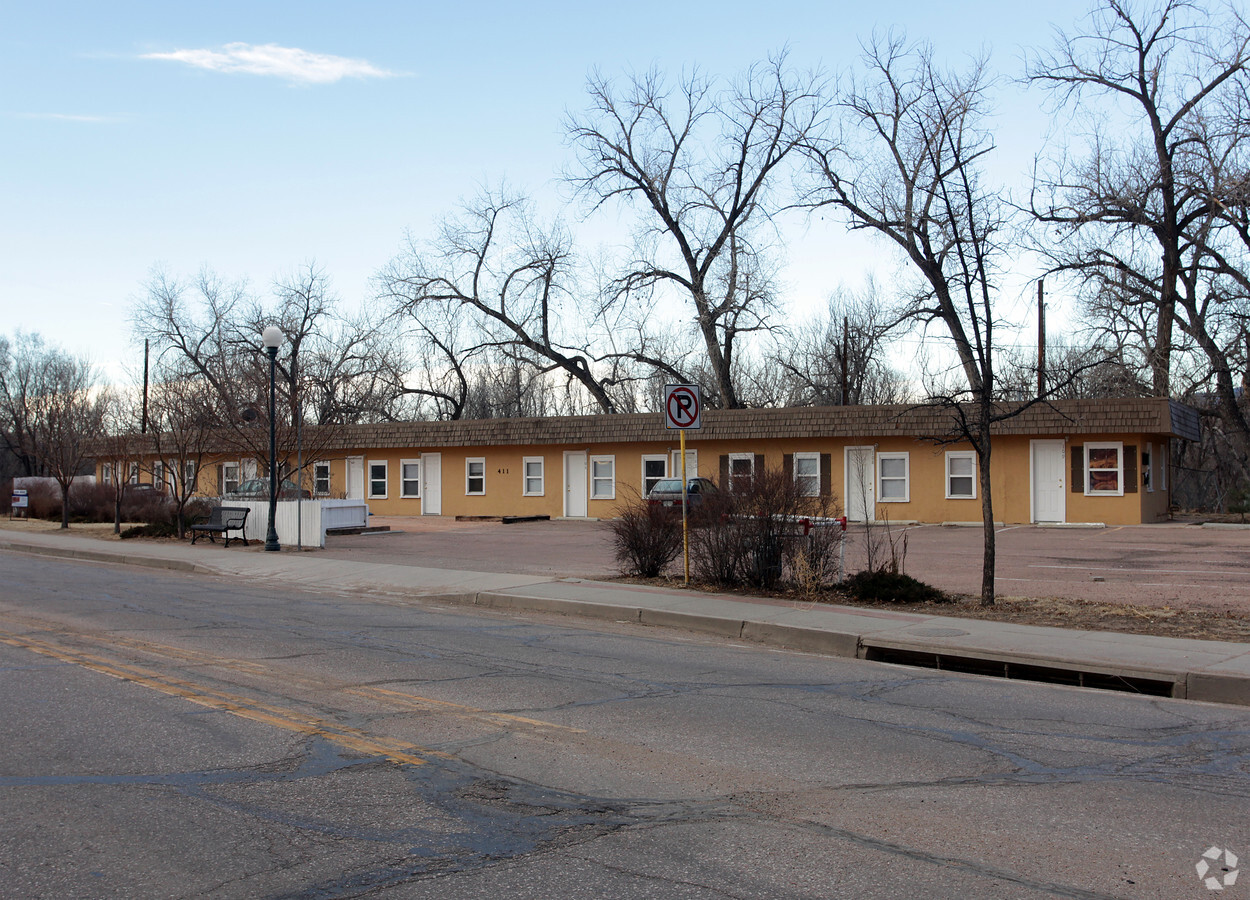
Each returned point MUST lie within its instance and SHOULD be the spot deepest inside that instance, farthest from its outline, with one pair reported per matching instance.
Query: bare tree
(332, 369)
(182, 417)
(698, 163)
(21, 363)
(840, 360)
(1145, 212)
(119, 450)
(502, 277)
(911, 170)
(67, 414)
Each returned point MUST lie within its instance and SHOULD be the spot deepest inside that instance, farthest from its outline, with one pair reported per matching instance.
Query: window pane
(805, 465)
(961, 486)
(893, 468)
(961, 465)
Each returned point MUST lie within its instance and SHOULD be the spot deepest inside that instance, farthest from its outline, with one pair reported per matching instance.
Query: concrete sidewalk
(1212, 671)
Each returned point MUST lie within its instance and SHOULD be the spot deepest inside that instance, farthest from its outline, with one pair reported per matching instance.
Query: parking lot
(1179, 565)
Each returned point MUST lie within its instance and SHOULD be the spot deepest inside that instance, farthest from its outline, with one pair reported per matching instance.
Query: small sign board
(683, 408)
(20, 499)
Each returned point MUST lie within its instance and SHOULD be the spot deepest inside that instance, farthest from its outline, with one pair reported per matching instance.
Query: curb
(1210, 687)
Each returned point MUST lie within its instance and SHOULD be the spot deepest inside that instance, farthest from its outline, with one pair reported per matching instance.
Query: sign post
(20, 500)
(683, 411)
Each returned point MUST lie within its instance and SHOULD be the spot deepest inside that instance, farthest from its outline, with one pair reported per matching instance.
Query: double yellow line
(235, 704)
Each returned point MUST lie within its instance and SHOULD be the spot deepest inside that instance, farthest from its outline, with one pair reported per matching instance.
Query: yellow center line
(235, 704)
(412, 701)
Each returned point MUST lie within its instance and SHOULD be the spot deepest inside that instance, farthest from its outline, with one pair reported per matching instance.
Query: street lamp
(272, 337)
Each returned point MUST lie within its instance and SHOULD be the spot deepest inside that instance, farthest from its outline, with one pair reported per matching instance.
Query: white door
(431, 484)
(355, 478)
(861, 494)
(1048, 476)
(692, 464)
(249, 469)
(575, 483)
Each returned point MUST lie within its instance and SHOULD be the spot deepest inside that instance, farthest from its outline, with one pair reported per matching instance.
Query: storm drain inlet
(996, 668)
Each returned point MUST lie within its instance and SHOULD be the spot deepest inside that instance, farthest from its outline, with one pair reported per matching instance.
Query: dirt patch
(1058, 612)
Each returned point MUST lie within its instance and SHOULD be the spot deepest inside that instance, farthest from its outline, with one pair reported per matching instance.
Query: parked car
(667, 492)
(258, 489)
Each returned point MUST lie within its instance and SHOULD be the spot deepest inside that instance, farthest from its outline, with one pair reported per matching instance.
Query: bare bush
(645, 538)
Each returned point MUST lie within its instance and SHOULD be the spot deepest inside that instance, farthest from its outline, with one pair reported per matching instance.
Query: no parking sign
(682, 407)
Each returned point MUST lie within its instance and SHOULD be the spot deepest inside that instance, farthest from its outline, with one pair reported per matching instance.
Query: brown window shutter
(826, 474)
(1130, 468)
(759, 465)
(1077, 452)
(724, 471)
(787, 466)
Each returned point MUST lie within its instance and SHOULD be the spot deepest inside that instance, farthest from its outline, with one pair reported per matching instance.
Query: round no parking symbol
(682, 408)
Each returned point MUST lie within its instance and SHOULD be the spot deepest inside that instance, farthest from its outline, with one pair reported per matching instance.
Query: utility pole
(143, 423)
(1041, 340)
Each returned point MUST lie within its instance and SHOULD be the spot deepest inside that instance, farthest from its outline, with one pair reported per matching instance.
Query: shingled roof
(1059, 417)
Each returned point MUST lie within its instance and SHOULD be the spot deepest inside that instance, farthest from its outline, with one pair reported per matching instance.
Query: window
(1147, 472)
(892, 480)
(134, 473)
(533, 486)
(158, 475)
(807, 474)
(1163, 467)
(190, 473)
(654, 468)
(475, 476)
(410, 478)
(321, 479)
(741, 470)
(961, 475)
(377, 479)
(603, 477)
(106, 473)
(229, 477)
(1104, 469)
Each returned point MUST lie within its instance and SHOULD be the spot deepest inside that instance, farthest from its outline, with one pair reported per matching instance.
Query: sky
(255, 137)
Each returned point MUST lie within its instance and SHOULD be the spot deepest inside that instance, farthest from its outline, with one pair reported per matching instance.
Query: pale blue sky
(252, 137)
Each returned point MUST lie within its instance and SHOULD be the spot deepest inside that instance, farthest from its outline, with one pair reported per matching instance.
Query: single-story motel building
(1065, 461)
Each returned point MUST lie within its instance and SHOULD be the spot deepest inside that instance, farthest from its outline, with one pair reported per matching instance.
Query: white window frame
(469, 476)
(882, 478)
(317, 466)
(951, 456)
(1118, 447)
(190, 476)
(599, 491)
(405, 481)
(134, 473)
(738, 457)
(158, 475)
(370, 481)
(226, 479)
(657, 457)
(526, 477)
(106, 473)
(798, 479)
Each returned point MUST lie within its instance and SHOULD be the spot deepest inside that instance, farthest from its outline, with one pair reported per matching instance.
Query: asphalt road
(165, 735)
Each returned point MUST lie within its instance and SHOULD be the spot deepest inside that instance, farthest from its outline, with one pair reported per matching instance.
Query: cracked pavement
(170, 735)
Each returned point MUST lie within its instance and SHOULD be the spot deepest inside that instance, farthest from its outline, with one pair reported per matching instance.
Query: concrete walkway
(1212, 671)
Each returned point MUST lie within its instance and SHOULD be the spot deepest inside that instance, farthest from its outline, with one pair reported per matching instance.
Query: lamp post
(272, 337)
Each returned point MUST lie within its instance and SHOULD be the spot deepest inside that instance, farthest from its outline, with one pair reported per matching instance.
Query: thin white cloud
(289, 63)
(68, 117)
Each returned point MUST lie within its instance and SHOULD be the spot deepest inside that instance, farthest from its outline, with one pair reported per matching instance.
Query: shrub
(883, 586)
(152, 529)
(754, 536)
(645, 538)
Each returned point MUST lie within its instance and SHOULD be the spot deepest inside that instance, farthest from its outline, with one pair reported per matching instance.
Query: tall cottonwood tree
(505, 279)
(1146, 209)
(698, 164)
(909, 167)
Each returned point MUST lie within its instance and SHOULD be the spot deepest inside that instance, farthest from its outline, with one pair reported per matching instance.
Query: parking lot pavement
(1178, 565)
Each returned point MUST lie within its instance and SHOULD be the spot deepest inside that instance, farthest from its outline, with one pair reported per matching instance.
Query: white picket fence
(304, 522)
